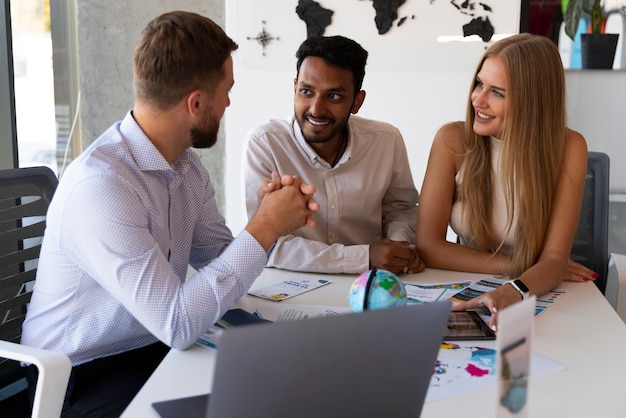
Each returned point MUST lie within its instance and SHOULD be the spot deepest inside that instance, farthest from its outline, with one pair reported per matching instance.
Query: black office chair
(25, 194)
(591, 243)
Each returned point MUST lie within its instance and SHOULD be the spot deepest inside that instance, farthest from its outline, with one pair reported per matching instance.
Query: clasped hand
(278, 182)
(396, 257)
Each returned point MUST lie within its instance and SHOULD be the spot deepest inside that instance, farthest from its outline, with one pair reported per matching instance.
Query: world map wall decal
(317, 18)
(401, 35)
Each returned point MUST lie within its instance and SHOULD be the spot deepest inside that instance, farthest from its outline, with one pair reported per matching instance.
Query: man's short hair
(338, 51)
(177, 53)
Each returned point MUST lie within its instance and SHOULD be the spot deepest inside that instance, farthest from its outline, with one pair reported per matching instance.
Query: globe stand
(368, 286)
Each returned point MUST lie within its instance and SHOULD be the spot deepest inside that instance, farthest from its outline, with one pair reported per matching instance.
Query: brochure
(288, 288)
(419, 293)
(292, 312)
(487, 284)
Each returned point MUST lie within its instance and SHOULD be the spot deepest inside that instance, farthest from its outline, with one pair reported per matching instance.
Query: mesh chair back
(591, 243)
(25, 194)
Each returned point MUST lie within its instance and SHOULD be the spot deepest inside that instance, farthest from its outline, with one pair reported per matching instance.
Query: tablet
(467, 325)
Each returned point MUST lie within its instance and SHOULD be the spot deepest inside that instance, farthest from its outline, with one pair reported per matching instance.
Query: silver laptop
(377, 363)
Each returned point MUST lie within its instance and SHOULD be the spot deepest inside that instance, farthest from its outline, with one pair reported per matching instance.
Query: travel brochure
(288, 288)
(420, 293)
(542, 303)
(291, 312)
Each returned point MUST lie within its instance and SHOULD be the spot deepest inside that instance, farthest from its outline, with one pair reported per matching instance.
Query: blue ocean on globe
(386, 290)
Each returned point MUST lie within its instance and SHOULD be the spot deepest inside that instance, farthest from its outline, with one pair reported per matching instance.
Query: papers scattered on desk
(420, 293)
(286, 312)
(288, 288)
(267, 312)
(489, 283)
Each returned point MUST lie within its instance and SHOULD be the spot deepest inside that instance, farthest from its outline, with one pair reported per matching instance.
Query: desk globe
(385, 290)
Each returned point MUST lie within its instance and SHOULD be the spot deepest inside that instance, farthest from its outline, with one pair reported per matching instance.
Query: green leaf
(572, 17)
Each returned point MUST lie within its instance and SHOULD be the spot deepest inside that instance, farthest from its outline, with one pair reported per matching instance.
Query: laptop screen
(375, 363)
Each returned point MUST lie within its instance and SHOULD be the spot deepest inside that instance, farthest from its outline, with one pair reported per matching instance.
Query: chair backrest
(25, 195)
(591, 243)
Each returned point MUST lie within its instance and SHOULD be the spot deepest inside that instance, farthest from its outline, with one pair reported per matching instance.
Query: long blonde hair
(533, 139)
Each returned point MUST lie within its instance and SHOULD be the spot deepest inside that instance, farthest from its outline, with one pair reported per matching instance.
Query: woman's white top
(458, 220)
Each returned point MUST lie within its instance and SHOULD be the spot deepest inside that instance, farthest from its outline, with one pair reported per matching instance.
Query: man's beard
(313, 139)
(205, 134)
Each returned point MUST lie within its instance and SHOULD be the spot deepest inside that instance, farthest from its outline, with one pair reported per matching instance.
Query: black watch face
(521, 286)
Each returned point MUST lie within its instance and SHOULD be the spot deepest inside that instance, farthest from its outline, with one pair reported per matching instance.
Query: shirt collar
(143, 151)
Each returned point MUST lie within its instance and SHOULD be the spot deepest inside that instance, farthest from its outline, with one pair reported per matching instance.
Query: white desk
(581, 330)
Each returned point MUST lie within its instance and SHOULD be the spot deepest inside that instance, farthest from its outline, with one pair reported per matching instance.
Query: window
(42, 80)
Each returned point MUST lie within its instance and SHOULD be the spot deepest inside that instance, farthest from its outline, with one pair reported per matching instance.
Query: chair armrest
(54, 373)
(612, 282)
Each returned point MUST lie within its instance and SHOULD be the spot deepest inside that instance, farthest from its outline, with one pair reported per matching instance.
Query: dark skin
(324, 99)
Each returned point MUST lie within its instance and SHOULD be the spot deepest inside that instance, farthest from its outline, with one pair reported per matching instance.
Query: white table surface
(581, 331)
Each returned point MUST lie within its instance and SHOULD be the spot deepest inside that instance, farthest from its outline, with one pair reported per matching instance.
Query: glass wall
(44, 103)
(33, 81)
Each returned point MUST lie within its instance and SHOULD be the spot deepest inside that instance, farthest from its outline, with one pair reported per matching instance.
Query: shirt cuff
(246, 256)
(356, 259)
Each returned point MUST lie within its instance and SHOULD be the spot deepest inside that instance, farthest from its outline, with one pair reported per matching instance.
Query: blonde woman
(509, 180)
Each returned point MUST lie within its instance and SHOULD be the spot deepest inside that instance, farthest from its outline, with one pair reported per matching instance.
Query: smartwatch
(520, 288)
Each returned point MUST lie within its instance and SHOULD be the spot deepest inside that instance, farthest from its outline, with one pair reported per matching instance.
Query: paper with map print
(463, 368)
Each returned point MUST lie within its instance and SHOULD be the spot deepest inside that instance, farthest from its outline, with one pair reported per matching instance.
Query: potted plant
(597, 48)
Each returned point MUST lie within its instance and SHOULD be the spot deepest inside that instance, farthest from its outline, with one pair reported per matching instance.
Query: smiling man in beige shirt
(359, 167)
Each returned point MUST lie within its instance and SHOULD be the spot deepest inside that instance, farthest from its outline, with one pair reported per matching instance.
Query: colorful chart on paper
(460, 367)
(463, 368)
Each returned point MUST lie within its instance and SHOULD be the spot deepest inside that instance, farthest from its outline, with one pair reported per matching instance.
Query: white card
(288, 288)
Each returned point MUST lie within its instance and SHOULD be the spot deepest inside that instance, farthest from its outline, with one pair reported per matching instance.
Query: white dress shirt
(369, 195)
(122, 228)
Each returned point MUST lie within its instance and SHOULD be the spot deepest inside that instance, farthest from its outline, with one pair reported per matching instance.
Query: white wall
(596, 107)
